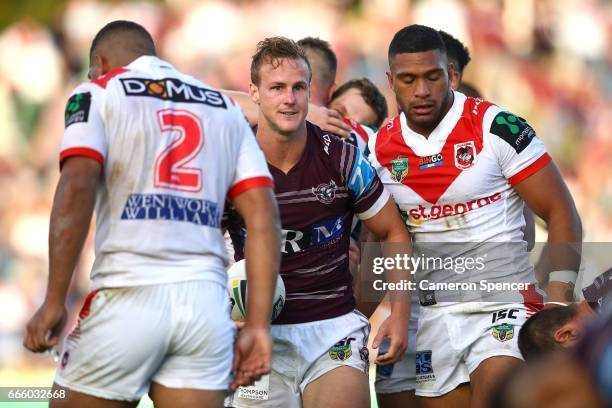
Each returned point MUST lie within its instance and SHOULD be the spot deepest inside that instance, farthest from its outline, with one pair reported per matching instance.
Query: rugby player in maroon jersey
(320, 342)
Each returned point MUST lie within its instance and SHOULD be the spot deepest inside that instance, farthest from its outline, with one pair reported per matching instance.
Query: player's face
(282, 94)
(422, 88)
(352, 105)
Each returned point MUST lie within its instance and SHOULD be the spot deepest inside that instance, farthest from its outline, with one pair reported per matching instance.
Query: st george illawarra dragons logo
(325, 193)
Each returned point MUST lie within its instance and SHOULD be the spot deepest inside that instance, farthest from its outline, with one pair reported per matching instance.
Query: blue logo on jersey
(294, 241)
(362, 175)
(171, 208)
(326, 231)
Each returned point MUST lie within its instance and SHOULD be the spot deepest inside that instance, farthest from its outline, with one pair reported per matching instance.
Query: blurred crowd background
(550, 61)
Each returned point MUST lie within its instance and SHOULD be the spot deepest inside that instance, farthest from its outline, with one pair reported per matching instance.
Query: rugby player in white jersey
(459, 169)
(156, 152)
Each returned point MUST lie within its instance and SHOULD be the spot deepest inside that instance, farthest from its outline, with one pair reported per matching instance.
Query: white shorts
(178, 335)
(304, 352)
(452, 340)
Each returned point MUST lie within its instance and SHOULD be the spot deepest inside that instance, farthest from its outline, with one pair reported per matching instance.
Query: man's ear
(330, 91)
(254, 93)
(453, 76)
(390, 79)
(567, 334)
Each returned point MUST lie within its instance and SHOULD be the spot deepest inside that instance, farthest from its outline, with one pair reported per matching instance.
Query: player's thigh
(397, 400)
(74, 399)
(164, 397)
(486, 377)
(460, 397)
(342, 387)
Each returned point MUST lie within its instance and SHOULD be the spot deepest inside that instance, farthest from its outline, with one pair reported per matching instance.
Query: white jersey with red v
(456, 185)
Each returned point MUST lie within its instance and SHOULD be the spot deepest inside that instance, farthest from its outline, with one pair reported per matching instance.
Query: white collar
(441, 132)
(146, 62)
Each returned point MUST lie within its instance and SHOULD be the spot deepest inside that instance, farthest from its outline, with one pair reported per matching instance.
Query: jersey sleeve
(251, 166)
(369, 194)
(515, 145)
(84, 132)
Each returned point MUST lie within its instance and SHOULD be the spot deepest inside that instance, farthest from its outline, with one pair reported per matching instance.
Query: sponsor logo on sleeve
(513, 130)
(77, 108)
(362, 175)
(503, 332)
(172, 89)
(465, 155)
(505, 314)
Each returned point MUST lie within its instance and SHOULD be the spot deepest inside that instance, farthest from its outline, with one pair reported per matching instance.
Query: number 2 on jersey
(171, 165)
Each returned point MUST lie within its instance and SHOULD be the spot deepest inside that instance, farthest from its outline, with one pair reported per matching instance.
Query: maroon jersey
(317, 200)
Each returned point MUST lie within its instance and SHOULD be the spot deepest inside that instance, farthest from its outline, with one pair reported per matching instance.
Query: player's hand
(252, 355)
(396, 329)
(44, 328)
(328, 120)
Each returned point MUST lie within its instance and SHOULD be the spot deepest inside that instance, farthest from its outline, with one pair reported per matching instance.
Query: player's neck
(282, 151)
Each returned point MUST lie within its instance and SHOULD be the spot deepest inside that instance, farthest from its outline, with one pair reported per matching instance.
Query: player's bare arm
(70, 218)
(250, 110)
(387, 225)
(328, 119)
(253, 352)
(547, 195)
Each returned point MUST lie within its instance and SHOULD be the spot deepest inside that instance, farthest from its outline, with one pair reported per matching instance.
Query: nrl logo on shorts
(465, 155)
(399, 169)
(325, 193)
(503, 332)
(342, 349)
